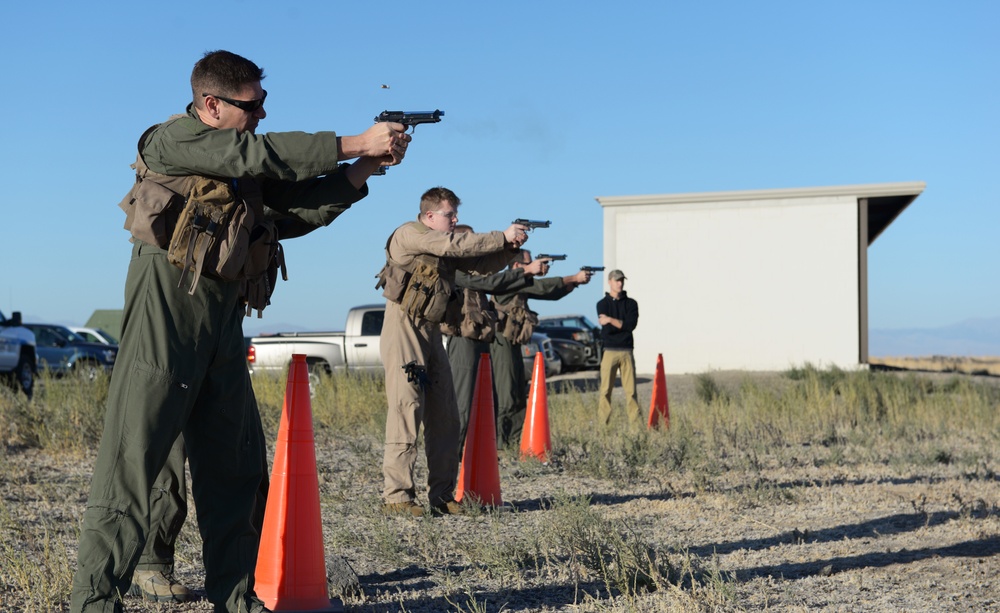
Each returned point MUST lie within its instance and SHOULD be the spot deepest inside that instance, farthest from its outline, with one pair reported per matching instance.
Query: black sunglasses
(247, 105)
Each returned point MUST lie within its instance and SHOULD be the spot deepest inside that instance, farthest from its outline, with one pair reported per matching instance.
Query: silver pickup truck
(356, 348)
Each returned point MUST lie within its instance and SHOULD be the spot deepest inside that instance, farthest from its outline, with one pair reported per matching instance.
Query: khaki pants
(411, 405)
(615, 360)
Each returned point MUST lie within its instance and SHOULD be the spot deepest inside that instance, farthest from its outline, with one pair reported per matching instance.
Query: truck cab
(576, 339)
(355, 349)
(363, 336)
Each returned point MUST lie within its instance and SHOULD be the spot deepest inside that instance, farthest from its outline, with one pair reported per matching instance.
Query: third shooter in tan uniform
(419, 280)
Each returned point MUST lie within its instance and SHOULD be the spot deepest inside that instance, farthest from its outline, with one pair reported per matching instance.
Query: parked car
(545, 345)
(572, 355)
(61, 351)
(17, 354)
(576, 339)
(95, 335)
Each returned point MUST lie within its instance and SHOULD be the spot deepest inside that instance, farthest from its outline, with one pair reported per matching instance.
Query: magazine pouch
(212, 234)
(427, 294)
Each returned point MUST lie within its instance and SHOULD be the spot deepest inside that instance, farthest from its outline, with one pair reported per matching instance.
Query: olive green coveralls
(509, 378)
(167, 512)
(464, 353)
(181, 369)
(410, 403)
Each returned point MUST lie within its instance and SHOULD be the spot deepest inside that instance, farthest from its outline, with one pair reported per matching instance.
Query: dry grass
(805, 490)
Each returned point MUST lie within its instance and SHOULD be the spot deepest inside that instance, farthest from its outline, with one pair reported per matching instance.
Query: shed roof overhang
(885, 200)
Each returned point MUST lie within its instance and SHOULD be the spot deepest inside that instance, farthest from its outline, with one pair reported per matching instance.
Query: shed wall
(749, 285)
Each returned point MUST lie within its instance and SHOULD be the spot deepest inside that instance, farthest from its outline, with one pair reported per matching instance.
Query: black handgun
(549, 256)
(410, 119)
(532, 224)
(592, 269)
(416, 373)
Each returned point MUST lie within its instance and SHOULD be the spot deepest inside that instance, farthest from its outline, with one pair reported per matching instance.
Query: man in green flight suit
(516, 324)
(471, 335)
(182, 368)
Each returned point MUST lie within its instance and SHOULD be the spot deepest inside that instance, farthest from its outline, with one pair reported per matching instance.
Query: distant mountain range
(971, 338)
(251, 329)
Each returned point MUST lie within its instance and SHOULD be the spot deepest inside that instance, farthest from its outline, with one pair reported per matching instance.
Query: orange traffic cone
(536, 441)
(658, 405)
(479, 473)
(291, 567)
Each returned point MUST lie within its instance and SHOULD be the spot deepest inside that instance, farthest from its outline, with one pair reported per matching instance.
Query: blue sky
(548, 106)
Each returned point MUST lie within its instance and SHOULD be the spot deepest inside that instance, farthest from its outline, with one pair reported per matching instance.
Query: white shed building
(750, 280)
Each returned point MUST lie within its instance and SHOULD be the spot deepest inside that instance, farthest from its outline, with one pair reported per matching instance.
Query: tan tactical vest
(209, 226)
(515, 320)
(424, 287)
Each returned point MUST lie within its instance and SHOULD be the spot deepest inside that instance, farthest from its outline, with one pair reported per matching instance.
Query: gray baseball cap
(616, 274)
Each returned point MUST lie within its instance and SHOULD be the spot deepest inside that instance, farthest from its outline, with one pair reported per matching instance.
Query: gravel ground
(790, 537)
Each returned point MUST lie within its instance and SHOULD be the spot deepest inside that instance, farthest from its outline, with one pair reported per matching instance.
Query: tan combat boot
(449, 507)
(409, 507)
(156, 586)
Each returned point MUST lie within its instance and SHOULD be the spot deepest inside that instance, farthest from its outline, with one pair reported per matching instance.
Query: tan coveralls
(403, 341)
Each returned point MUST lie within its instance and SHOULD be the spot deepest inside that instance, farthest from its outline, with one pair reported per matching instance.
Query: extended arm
(410, 240)
(548, 289)
(184, 145)
(503, 282)
(301, 207)
(187, 146)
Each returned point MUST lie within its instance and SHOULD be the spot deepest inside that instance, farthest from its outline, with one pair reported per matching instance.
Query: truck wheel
(564, 366)
(317, 370)
(25, 376)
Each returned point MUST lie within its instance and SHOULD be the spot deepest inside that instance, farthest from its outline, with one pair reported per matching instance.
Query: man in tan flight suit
(419, 279)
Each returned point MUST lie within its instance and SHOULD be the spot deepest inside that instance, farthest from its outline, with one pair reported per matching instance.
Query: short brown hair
(523, 260)
(222, 73)
(433, 198)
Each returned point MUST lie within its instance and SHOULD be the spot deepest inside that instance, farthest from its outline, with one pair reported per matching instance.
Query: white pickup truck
(356, 348)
